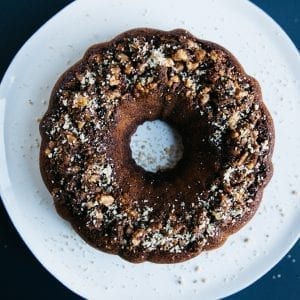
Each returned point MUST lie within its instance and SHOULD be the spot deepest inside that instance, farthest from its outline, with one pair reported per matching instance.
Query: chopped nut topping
(178, 67)
(83, 169)
(233, 120)
(180, 55)
(91, 204)
(152, 85)
(80, 102)
(71, 139)
(139, 87)
(123, 57)
(200, 54)
(189, 83)
(204, 99)
(47, 151)
(98, 215)
(106, 200)
(174, 79)
(242, 159)
(240, 94)
(250, 165)
(114, 79)
(234, 134)
(169, 62)
(113, 95)
(94, 178)
(214, 55)
(137, 237)
(192, 66)
(128, 69)
(80, 124)
(192, 45)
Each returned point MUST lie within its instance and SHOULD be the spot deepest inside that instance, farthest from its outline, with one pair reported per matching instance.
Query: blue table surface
(22, 276)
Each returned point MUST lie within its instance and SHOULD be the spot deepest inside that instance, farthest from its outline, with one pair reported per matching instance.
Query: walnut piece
(214, 55)
(242, 159)
(204, 99)
(140, 87)
(106, 200)
(114, 79)
(189, 83)
(240, 94)
(192, 66)
(180, 55)
(200, 54)
(192, 45)
(250, 165)
(137, 237)
(123, 57)
(234, 134)
(80, 124)
(93, 178)
(169, 62)
(80, 102)
(172, 80)
(113, 95)
(91, 204)
(233, 120)
(178, 67)
(71, 139)
(47, 151)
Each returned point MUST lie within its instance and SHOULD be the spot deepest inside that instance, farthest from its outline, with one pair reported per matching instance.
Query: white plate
(265, 52)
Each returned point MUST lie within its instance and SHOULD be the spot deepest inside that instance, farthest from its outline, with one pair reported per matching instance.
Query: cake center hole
(156, 146)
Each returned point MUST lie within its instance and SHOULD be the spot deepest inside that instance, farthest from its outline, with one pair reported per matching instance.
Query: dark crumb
(246, 240)
(197, 268)
(203, 280)
(30, 101)
(294, 192)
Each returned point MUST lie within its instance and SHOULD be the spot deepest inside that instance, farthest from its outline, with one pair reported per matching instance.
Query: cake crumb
(197, 268)
(180, 280)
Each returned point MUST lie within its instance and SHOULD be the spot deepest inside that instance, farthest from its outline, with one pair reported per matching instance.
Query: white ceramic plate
(265, 52)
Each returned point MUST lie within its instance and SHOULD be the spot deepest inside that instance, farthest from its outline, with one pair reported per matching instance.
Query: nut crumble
(175, 70)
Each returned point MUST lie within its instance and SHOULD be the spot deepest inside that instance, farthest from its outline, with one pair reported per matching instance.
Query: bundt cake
(199, 89)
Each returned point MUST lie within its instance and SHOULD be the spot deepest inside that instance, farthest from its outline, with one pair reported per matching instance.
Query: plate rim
(4, 176)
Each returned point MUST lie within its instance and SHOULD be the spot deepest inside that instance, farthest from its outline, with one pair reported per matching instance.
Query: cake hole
(156, 146)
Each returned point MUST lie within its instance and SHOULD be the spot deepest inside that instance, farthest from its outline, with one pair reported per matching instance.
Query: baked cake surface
(197, 87)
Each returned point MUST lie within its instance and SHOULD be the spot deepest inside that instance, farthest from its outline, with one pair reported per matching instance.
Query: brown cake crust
(200, 89)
